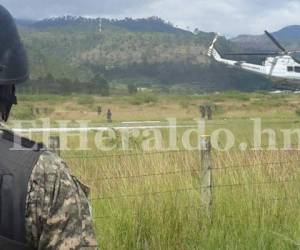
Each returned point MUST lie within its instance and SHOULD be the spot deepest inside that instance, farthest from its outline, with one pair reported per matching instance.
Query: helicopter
(280, 67)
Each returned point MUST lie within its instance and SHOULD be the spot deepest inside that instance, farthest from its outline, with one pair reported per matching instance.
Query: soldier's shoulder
(49, 162)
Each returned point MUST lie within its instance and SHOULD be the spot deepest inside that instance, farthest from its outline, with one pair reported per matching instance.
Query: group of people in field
(206, 111)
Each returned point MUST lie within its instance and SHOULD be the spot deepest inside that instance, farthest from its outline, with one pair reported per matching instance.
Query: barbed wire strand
(254, 183)
(181, 151)
(130, 154)
(188, 171)
(142, 194)
(143, 175)
(255, 165)
(126, 196)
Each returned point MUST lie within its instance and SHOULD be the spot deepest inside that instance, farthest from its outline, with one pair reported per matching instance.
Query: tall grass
(152, 201)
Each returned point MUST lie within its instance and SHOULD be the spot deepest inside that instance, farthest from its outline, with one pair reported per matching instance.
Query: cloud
(229, 17)
(38, 9)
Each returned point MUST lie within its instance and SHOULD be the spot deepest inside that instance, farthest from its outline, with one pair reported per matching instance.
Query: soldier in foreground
(42, 206)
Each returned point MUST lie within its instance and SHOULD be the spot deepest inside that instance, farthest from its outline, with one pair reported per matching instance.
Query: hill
(288, 36)
(25, 22)
(142, 52)
(151, 24)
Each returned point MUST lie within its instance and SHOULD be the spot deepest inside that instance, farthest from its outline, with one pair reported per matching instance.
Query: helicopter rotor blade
(294, 51)
(253, 54)
(272, 38)
(296, 60)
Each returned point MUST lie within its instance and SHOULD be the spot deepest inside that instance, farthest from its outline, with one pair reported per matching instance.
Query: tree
(49, 78)
(101, 85)
(132, 89)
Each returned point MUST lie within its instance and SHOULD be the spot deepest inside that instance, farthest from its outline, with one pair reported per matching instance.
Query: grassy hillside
(143, 52)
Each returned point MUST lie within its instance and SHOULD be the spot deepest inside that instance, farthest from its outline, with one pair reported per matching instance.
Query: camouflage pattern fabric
(58, 212)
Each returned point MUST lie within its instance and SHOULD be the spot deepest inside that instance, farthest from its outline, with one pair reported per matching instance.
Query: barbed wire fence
(205, 171)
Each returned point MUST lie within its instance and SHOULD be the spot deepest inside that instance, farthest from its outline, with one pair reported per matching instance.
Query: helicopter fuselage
(281, 68)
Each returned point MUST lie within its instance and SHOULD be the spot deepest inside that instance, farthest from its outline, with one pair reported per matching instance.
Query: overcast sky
(229, 17)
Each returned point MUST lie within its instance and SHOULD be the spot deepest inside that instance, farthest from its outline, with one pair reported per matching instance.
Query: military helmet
(13, 60)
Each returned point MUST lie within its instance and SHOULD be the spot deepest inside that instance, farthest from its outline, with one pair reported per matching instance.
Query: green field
(151, 200)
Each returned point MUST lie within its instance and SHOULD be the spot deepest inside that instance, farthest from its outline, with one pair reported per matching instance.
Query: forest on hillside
(142, 52)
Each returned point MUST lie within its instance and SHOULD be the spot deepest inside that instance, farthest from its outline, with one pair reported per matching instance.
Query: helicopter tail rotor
(212, 46)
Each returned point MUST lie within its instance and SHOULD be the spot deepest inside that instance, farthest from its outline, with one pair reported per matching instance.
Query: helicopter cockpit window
(297, 69)
(290, 69)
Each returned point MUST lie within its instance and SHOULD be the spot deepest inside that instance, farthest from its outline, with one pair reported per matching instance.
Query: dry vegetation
(151, 106)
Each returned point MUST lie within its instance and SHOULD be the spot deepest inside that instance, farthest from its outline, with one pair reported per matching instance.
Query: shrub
(23, 112)
(143, 98)
(238, 95)
(132, 89)
(297, 111)
(184, 104)
(85, 100)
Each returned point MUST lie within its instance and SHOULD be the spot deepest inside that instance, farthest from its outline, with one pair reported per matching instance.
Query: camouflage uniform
(57, 210)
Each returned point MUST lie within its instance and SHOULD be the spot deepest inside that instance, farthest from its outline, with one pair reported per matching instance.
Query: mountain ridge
(150, 24)
(130, 51)
(289, 36)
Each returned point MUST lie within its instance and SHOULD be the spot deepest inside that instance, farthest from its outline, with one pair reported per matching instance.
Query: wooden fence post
(206, 175)
(55, 144)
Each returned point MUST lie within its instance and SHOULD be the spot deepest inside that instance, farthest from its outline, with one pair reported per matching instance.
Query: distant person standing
(202, 111)
(109, 116)
(209, 112)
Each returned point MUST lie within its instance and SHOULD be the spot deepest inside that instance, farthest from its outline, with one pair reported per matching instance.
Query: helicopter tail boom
(215, 54)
